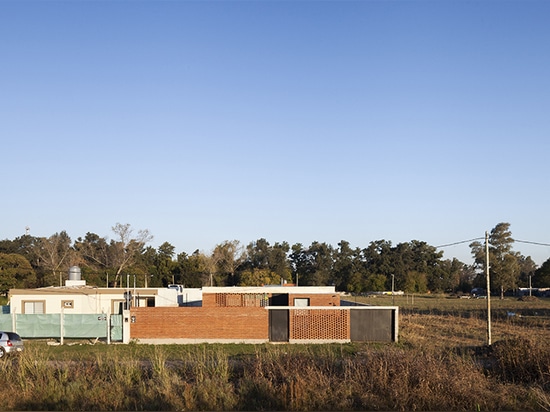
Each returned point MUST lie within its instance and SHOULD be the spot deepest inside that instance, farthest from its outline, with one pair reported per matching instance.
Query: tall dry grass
(440, 363)
(386, 377)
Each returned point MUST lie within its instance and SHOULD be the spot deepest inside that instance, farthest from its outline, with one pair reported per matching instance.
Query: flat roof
(269, 289)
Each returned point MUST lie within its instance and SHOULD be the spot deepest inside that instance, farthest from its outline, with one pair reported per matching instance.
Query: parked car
(10, 342)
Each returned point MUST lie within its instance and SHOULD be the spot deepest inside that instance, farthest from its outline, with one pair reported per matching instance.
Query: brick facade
(262, 299)
(199, 323)
(320, 299)
(224, 300)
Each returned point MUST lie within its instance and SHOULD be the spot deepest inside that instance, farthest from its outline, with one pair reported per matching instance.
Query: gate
(278, 325)
(372, 325)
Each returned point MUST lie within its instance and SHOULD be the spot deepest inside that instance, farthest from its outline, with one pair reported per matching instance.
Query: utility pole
(393, 289)
(488, 289)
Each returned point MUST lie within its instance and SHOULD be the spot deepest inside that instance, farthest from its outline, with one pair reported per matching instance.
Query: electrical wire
(531, 243)
(459, 243)
(482, 238)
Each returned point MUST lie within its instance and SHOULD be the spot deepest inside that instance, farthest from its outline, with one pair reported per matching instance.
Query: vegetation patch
(441, 362)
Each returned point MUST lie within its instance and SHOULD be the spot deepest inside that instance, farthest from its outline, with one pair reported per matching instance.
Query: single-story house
(282, 313)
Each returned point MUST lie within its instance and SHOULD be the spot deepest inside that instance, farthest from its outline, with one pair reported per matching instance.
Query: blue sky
(297, 121)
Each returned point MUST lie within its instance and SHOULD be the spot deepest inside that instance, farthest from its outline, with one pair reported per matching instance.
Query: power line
(459, 243)
(531, 243)
(481, 238)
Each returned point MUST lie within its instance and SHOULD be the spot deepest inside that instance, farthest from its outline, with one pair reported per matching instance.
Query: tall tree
(165, 264)
(503, 262)
(278, 261)
(125, 247)
(542, 276)
(312, 266)
(53, 254)
(94, 257)
(415, 282)
(378, 258)
(504, 268)
(527, 268)
(189, 271)
(15, 271)
(258, 277)
(261, 255)
(347, 271)
(228, 256)
(257, 254)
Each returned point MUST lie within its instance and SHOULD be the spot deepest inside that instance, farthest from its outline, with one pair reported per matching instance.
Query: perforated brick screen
(332, 324)
(241, 300)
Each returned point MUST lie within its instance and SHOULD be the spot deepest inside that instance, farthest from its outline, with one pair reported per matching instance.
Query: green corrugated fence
(74, 326)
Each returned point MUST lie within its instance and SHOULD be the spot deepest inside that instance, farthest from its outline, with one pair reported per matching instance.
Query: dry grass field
(441, 362)
(441, 321)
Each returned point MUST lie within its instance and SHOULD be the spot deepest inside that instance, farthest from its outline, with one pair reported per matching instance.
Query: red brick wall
(326, 299)
(211, 300)
(234, 299)
(199, 323)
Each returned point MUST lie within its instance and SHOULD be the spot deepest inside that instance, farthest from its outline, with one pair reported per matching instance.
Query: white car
(10, 342)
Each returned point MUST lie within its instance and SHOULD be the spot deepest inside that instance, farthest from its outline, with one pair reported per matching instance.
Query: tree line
(414, 267)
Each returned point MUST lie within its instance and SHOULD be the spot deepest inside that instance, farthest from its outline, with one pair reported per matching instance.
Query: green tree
(527, 268)
(164, 264)
(279, 262)
(347, 268)
(375, 283)
(261, 255)
(446, 276)
(415, 282)
(189, 270)
(312, 266)
(228, 256)
(15, 272)
(542, 276)
(257, 254)
(503, 262)
(94, 258)
(378, 258)
(258, 277)
(504, 268)
(148, 269)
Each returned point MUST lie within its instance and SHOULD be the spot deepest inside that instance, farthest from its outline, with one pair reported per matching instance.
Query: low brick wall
(234, 323)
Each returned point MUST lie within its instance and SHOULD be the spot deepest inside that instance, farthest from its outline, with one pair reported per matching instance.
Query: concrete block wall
(232, 323)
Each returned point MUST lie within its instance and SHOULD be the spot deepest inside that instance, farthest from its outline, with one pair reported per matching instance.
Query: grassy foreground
(440, 363)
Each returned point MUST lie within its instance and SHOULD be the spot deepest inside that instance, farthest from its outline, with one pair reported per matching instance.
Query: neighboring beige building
(87, 299)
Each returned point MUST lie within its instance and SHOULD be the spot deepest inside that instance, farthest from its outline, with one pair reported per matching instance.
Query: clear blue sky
(298, 121)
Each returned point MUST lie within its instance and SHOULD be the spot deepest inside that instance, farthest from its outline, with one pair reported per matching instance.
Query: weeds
(441, 363)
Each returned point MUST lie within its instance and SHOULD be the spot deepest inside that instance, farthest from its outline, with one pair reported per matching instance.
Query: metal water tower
(75, 273)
